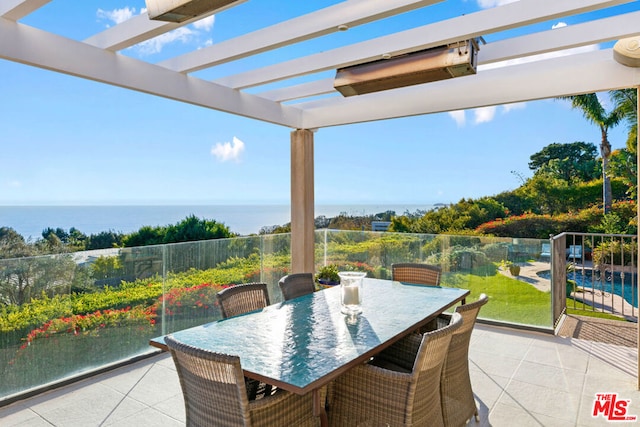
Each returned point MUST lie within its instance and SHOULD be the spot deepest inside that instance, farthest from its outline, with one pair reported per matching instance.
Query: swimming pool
(627, 289)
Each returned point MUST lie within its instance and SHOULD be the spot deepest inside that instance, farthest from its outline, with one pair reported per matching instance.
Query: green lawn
(510, 300)
(514, 301)
(586, 310)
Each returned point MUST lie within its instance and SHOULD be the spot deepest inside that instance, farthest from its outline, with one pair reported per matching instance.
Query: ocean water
(30, 221)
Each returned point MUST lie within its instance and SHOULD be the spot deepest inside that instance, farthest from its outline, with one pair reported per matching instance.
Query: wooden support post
(302, 202)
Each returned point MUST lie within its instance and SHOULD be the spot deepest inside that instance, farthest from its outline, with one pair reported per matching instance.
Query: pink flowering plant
(92, 323)
(185, 300)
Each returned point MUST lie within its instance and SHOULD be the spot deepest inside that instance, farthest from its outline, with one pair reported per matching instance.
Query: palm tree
(626, 100)
(594, 112)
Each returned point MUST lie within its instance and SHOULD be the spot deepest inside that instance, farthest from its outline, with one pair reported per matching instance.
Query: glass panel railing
(503, 268)
(65, 315)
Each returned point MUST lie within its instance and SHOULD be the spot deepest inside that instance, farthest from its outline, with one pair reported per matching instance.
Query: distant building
(380, 225)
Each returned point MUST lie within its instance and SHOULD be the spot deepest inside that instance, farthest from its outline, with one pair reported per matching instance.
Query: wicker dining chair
(407, 396)
(296, 285)
(214, 395)
(416, 273)
(458, 403)
(241, 299)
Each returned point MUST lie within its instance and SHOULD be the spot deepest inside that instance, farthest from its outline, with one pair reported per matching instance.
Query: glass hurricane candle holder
(351, 291)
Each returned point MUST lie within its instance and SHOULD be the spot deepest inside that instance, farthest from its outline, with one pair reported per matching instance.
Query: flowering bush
(521, 226)
(90, 324)
(541, 226)
(356, 266)
(184, 300)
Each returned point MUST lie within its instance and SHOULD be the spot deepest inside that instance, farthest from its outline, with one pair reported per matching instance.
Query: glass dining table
(301, 345)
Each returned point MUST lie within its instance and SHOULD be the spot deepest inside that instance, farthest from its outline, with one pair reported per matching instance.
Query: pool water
(627, 289)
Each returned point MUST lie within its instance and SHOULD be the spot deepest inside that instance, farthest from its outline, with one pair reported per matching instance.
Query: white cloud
(458, 116)
(486, 4)
(205, 24)
(484, 114)
(514, 106)
(156, 44)
(559, 25)
(226, 151)
(117, 15)
(184, 35)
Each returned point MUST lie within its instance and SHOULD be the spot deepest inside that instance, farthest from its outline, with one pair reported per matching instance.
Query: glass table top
(299, 343)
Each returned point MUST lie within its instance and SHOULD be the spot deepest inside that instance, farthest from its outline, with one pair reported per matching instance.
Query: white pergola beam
(593, 32)
(569, 75)
(139, 29)
(564, 38)
(18, 9)
(325, 21)
(130, 32)
(31, 46)
(304, 90)
(513, 15)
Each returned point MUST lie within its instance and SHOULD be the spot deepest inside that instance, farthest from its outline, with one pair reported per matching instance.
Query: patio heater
(182, 10)
(424, 66)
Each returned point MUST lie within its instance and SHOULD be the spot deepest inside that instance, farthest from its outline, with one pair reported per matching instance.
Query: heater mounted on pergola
(183, 10)
(437, 63)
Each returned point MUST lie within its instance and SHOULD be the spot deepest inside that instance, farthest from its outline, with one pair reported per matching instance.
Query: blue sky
(68, 141)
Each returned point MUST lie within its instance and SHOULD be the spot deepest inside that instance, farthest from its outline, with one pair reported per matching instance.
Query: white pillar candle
(350, 295)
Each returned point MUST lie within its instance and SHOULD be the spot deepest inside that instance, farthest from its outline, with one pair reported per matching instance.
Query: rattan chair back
(458, 404)
(241, 299)
(213, 388)
(297, 284)
(375, 395)
(212, 384)
(416, 273)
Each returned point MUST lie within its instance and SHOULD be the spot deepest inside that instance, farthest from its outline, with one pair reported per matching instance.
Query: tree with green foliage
(193, 228)
(626, 102)
(60, 233)
(189, 229)
(13, 245)
(58, 240)
(624, 166)
(594, 112)
(24, 275)
(104, 240)
(623, 163)
(546, 191)
(575, 162)
(464, 215)
(145, 236)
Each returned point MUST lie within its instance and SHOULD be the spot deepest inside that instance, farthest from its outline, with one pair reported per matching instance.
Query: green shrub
(496, 252)
(613, 252)
(459, 258)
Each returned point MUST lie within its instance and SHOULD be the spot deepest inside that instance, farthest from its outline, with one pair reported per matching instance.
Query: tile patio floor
(519, 378)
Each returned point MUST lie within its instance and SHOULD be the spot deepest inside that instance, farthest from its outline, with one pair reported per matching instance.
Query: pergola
(516, 63)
